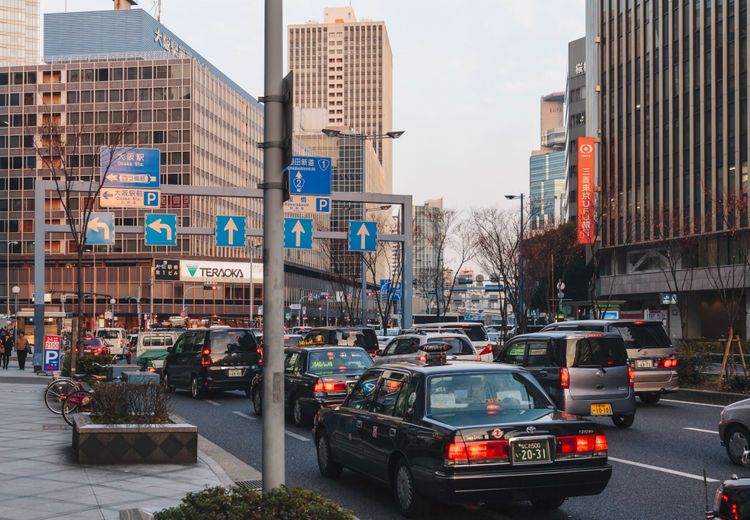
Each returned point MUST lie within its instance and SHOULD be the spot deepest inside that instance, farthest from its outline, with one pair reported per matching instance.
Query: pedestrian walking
(3, 345)
(22, 348)
(9, 345)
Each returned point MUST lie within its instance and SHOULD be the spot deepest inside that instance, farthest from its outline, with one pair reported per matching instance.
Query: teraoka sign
(206, 271)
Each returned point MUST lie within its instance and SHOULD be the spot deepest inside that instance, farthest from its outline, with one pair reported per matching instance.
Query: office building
(19, 32)
(344, 65)
(428, 223)
(547, 164)
(575, 116)
(673, 154)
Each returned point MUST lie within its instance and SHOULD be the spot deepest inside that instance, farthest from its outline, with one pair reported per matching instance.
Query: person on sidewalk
(3, 345)
(22, 348)
(9, 345)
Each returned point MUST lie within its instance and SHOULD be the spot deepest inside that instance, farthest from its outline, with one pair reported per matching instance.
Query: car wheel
(548, 503)
(167, 383)
(650, 398)
(326, 465)
(258, 403)
(736, 440)
(623, 421)
(299, 418)
(195, 390)
(409, 502)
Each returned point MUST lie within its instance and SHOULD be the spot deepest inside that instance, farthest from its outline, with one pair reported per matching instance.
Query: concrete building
(427, 233)
(674, 151)
(547, 164)
(345, 66)
(575, 116)
(19, 32)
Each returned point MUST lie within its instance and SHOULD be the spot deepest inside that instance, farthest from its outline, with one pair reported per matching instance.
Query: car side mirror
(170, 350)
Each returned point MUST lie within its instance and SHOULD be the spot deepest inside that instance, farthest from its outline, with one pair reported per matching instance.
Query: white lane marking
(690, 402)
(701, 430)
(242, 414)
(209, 401)
(663, 470)
(297, 436)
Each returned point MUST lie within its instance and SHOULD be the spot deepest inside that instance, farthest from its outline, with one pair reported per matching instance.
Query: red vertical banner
(586, 217)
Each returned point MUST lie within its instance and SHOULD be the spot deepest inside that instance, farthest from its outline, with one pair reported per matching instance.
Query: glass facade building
(19, 32)
(546, 188)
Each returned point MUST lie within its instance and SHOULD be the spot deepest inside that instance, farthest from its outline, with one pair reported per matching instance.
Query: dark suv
(219, 358)
(364, 337)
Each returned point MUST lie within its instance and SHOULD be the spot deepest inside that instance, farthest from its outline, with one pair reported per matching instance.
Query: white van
(155, 340)
(115, 339)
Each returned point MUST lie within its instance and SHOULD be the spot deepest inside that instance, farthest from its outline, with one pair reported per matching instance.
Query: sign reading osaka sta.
(227, 272)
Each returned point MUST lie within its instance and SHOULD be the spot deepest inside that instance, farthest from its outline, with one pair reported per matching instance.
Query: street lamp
(393, 134)
(112, 302)
(521, 306)
(7, 266)
(16, 290)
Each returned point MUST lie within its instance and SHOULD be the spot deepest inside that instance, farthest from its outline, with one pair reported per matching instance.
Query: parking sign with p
(51, 353)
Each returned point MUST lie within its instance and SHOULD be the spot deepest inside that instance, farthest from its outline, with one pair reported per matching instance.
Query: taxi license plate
(157, 363)
(644, 363)
(529, 452)
(601, 409)
(234, 373)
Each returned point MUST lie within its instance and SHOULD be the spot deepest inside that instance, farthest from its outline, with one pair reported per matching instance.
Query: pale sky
(468, 76)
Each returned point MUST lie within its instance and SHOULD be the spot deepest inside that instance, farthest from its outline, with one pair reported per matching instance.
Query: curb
(707, 396)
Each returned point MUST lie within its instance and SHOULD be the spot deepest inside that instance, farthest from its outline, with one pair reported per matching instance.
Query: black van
(219, 358)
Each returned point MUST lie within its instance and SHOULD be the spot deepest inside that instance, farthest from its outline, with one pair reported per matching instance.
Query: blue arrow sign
(363, 236)
(100, 230)
(298, 233)
(385, 286)
(130, 167)
(310, 176)
(161, 229)
(230, 231)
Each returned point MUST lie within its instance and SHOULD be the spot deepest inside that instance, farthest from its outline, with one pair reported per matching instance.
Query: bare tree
(69, 156)
(344, 279)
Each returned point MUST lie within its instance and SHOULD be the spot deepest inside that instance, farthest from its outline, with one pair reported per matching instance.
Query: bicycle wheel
(56, 393)
(77, 402)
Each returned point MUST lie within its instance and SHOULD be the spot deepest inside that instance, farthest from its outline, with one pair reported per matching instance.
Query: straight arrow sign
(363, 236)
(298, 230)
(298, 233)
(230, 228)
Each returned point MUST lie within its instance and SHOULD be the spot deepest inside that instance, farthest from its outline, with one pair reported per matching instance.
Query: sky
(467, 78)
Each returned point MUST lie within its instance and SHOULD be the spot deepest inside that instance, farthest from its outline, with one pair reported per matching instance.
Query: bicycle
(78, 401)
(59, 389)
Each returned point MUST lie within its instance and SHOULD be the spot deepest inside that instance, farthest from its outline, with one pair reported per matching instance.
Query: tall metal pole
(274, 454)
(39, 277)
(252, 287)
(363, 292)
(151, 300)
(522, 293)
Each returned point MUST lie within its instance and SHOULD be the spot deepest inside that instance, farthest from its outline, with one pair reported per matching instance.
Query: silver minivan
(585, 373)
(653, 356)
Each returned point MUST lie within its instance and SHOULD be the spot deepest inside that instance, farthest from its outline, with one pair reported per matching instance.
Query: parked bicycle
(60, 388)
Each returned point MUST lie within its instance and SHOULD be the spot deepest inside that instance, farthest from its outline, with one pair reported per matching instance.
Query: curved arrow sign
(161, 229)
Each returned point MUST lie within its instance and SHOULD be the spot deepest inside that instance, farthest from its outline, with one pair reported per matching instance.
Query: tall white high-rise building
(19, 32)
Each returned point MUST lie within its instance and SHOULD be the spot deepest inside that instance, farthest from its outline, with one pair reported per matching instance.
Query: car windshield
(108, 334)
(232, 341)
(458, 345)
(461, 399)
(337, 361)
(643, 335)
(596, 352)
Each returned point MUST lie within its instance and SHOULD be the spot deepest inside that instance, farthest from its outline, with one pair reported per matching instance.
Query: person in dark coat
(9, 345)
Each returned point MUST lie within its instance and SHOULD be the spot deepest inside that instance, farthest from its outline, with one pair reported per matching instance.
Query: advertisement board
(227, 272)
(586, 211)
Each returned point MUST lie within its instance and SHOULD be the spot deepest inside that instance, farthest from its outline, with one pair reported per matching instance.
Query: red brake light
(581, 444)
(600, 443)
(456, 452)
(206, 357)
(668, 363)
(631, 376)
(329, 387)
(259, 350)
(564, 378)
(206, 351)
(640, 322)
(486, 350)
(460, 452)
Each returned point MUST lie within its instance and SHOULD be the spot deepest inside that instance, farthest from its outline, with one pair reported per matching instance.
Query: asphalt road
(657, 464)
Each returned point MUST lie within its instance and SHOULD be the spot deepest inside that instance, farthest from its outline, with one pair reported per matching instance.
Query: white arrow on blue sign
(161, 229)
(100, 230)
(310, 176)
(363, 236)
(298, 233)
(230, 231)
(130, 167)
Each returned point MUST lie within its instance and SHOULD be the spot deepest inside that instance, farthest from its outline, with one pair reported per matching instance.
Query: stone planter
(134, 443)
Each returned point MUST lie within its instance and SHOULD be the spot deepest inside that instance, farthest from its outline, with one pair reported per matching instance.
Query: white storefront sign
(228, 272)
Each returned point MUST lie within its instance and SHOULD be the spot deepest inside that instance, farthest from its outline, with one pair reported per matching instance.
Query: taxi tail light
(327, 387)
(668, 363)
(564, 378)
(206, 357)
(486, 350)
(631, 376)
(460, 452)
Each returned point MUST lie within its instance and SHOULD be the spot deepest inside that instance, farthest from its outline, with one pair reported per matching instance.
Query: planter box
(134, 443)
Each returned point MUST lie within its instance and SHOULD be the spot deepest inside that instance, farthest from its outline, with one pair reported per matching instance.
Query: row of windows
(129, 73)
(126, 95)
(127, 116)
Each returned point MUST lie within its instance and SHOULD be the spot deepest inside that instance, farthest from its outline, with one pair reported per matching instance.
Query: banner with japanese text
(586, 216)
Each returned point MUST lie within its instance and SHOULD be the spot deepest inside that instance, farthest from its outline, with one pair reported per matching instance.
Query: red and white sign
(586, 216)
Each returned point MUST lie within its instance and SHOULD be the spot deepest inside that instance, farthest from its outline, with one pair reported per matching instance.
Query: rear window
(337, 361)
(458, 345)
(157, 341)
(596, 352)
(643, 335)
(91, 343)
(365, 338)
(232, 341)
(108, 334)
(462, 399)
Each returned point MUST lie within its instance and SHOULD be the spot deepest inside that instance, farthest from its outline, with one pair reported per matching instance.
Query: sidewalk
(39, 478)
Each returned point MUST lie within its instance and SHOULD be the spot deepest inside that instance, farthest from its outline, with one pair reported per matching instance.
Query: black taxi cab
(467, 432)
(314, 377)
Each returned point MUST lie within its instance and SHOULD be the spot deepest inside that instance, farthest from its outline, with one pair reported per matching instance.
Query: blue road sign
(51, 353)
(385, 286)
(363, 236)
(323, 204)
(310, 176)
(298, 233)
(130, 167)
(397, 294)
(230, 231)
(161, 229)
(100, 230)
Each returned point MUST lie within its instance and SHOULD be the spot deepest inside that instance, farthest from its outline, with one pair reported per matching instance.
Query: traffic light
(210, 287)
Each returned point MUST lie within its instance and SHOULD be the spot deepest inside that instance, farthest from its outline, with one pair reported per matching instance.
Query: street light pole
(7, 267)
(521, 276)
(363, 291)
(16, 290)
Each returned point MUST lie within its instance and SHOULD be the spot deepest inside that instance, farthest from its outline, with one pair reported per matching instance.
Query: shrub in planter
(87, 364)
(117, 403)
(693, 358)
(244, 504)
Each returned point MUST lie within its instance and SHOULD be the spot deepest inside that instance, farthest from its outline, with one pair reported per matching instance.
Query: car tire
(623, 421)
(409, 502)
(166, 382)
(299, 417)
(650, 398)
(548, 504)
(258, 403)
(195, 389)
(328, 468)
(736, 440)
